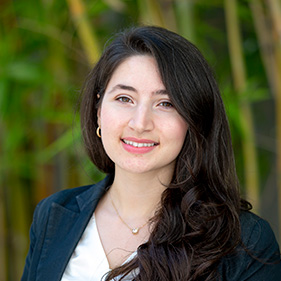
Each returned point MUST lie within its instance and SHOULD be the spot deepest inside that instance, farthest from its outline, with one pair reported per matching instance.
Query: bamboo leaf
(64, 141)
(23, 71)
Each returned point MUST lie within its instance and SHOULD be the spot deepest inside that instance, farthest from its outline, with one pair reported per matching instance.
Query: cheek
(176, 130)
(108, 131)
(182, 131)
(111, 123)
(106, 118)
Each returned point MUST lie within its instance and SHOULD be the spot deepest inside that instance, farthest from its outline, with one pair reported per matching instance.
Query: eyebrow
(132, 89)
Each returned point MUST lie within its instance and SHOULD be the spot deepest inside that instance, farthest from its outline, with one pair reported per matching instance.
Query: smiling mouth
(138, 144)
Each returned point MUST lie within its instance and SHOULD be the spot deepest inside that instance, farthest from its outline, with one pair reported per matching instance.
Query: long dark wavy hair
(198, 221)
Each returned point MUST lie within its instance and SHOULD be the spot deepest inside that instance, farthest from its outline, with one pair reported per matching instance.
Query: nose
(141, 119)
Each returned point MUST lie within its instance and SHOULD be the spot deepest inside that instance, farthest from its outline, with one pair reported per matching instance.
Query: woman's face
(141, 131)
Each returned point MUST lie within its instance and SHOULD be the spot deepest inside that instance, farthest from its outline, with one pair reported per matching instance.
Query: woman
(169, 209)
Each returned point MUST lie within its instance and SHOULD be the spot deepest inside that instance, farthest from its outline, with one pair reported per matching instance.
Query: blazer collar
(64, 229)
(93, 194)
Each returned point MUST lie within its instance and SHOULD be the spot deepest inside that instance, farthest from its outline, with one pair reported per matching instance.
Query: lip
(140, 146)
(139, 140)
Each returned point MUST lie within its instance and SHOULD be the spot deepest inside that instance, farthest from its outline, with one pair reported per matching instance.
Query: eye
(124, 99)
(166, 104)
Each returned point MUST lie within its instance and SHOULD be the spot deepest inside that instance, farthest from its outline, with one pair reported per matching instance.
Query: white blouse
(88, 261)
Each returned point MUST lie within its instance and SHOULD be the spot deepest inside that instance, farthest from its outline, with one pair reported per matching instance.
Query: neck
(137, 196)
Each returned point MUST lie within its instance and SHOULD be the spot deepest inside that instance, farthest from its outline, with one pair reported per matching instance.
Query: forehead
(138, 72)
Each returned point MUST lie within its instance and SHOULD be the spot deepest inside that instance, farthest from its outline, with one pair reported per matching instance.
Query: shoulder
(64, 197)
(258, 256)
(255, 231)
(71, 199)
(59, 211)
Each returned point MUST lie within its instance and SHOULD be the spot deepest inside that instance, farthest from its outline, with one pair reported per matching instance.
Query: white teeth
(137, 144)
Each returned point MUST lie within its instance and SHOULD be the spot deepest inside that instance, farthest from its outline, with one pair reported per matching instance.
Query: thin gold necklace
(134, 230)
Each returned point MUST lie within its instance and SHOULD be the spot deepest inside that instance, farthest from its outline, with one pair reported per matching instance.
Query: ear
(98, 116)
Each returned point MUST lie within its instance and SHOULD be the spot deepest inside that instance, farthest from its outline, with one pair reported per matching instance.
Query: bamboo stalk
(86, 32)
(15, 225)
(246, 118)
(159, 13)
(184, 11)
(19, 228)
(150, 13)
(3, 260)
(169, 16)
(235, 46)
(278, 132)
(275, 11)
(265, 40)
(117, 5)
(49, 180)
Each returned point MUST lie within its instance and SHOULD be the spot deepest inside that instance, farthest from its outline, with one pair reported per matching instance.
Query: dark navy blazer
(60, 220)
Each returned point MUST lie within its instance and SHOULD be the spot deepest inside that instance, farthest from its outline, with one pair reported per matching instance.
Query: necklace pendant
(135, 231)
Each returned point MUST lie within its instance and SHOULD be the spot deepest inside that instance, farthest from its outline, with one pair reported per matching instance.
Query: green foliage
(42, 68)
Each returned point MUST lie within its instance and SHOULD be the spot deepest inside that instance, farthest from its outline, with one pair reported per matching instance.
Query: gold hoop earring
(98, 132)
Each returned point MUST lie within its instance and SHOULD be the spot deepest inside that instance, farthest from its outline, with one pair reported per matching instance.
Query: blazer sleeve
(259, 256)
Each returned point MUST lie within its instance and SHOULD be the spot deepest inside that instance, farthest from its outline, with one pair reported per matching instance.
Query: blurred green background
(47, 47)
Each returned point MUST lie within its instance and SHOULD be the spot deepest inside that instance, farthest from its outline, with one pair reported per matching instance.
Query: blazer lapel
(64, 230)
